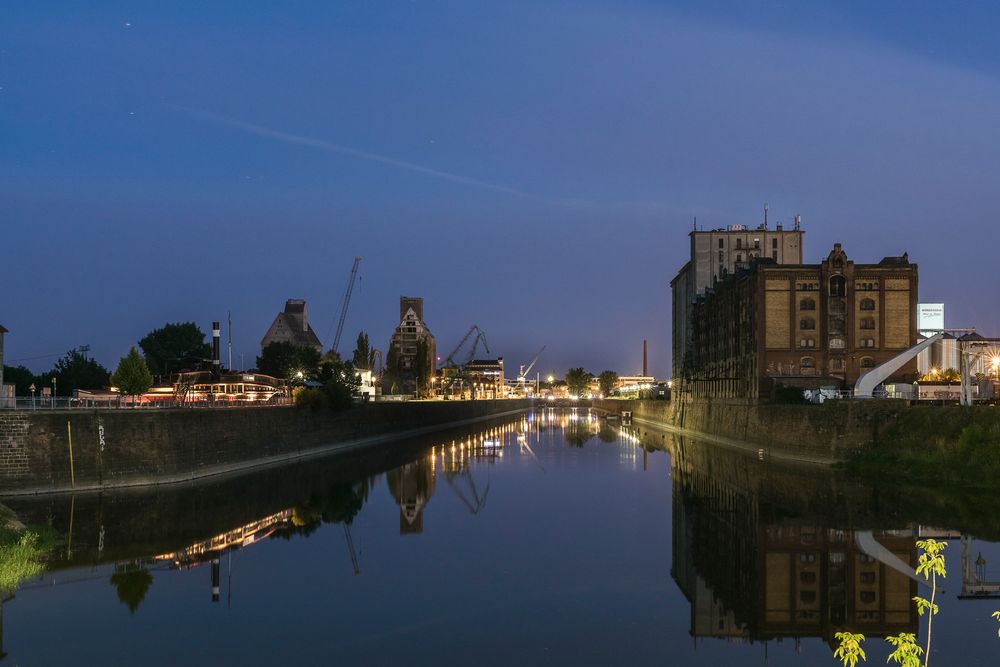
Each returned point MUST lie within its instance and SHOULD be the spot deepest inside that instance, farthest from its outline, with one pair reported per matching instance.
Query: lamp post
(54, 391)
(32, 390)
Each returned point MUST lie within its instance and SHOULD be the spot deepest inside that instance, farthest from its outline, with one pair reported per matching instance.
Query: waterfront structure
(485, 378)
(412, 350)
(805, 325)
(292, 326)
(717, 254)
(208, 387)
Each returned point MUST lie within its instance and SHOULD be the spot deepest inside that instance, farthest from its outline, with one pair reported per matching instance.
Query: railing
(121, 403)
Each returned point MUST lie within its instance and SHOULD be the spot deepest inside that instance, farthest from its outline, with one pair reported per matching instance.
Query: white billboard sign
(930, 318)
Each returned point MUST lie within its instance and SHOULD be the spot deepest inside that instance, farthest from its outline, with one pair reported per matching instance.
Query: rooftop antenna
(798, 221)
(765, 215)
(695, 223)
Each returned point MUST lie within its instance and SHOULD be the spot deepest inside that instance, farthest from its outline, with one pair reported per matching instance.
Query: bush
(785, 394)
(309, 398)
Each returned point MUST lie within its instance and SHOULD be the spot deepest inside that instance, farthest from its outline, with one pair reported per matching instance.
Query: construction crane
(345, 304)
(449, 361)
(522, 374)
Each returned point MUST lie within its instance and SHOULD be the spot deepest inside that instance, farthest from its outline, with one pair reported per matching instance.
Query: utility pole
(229, 315)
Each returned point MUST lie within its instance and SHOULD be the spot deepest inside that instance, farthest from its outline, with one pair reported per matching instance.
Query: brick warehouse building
(805, 325)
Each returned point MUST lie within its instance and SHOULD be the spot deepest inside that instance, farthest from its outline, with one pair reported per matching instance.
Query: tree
(75, 371)
(132, 377)
(20, 377)
(578, 381)
(287, 360)
(393, 373)
(340, 382)
(364, 354)
(132, 586)
(423, 367)
(607, 381)
(173, 347)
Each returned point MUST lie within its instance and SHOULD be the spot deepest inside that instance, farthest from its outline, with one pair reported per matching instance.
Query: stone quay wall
(806, 433)
(120, 448)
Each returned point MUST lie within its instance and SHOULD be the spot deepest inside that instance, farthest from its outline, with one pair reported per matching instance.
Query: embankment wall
(117, 448)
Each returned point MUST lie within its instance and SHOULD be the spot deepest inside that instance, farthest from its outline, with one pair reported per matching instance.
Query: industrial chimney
(216, 337)
(645, 359)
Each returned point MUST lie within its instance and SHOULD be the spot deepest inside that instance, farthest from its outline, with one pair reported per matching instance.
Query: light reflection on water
(554, 538)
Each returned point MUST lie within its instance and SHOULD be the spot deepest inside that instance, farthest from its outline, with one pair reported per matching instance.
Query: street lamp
(53, 391)
(32, 390)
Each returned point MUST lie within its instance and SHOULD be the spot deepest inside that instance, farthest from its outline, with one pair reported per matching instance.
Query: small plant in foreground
(850, 648)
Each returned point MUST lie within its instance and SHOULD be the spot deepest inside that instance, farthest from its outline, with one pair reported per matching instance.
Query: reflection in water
(757, 562)
(759, 553)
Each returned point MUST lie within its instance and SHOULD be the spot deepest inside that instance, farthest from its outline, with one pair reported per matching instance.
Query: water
(554, 539)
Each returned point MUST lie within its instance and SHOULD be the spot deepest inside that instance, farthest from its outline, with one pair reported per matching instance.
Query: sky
(530, 167)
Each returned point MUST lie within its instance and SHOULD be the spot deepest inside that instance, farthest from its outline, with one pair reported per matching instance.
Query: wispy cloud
(330, 147)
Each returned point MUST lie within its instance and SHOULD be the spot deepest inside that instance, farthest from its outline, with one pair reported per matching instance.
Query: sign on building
(930, 318)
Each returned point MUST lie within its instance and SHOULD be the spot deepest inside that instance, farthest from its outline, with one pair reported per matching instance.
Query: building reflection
(756, 565)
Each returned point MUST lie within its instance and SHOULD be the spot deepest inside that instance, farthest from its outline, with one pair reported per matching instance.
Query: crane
(522, 374)
(345, 304)
(449, 362)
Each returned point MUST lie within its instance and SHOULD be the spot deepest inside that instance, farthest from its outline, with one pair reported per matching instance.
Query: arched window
(867, 304)
(807, 323)
(867, 322)
(867, 362)
(838, 286)
(807, 304)
(807, 362)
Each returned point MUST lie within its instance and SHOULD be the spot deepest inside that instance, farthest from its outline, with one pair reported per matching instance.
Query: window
(836, 343)
(807, 577)
(807, 597)
(868, 597)
(838, 286)
(722, 256)
(739, 243)
(722, 243)
(807, 362)
(867, 362)
(837, 324)
(807, 342)
(756, 243)
(774, 255)
(774, 244)
(739, 258)
(836, 364)
(867, 342)
(838, 306)
(867, 304)
(807, 323)
(867, 322)
(807, 304)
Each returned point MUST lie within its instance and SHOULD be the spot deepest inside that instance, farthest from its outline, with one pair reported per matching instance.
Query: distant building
(404, 358)
(806, 325)
(718, 253)
(292, 326)
(5, 394)
(485, 378)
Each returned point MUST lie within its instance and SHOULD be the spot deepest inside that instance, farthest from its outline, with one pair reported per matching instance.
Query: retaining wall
(115, 448)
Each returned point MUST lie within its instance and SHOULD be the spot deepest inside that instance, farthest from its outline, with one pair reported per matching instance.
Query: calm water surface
(553, 539)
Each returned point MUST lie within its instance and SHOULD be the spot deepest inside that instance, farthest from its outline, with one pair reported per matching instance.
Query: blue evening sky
(532, 167)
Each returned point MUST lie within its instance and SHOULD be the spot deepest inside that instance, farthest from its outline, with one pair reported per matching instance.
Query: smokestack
(216, 336)
(645, 359)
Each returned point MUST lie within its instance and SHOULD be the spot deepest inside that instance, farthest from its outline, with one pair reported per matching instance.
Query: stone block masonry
(119, 448)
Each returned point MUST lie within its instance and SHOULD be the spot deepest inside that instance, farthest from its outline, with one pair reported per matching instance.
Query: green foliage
(849, 648)
(340, 383)
(132, 377)
(173, 347)
(906, 653)
(310, 398)
(287, 360)
(996, 615)
(21, 553)
(132, 586)
(607, 381)
(364, 353)
(21, 378)
(948, 375)
(931, 561)
(578, 381)
(75, 371)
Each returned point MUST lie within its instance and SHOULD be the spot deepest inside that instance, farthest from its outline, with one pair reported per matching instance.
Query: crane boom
(450, 359)
(523, 373)
(347, 302)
